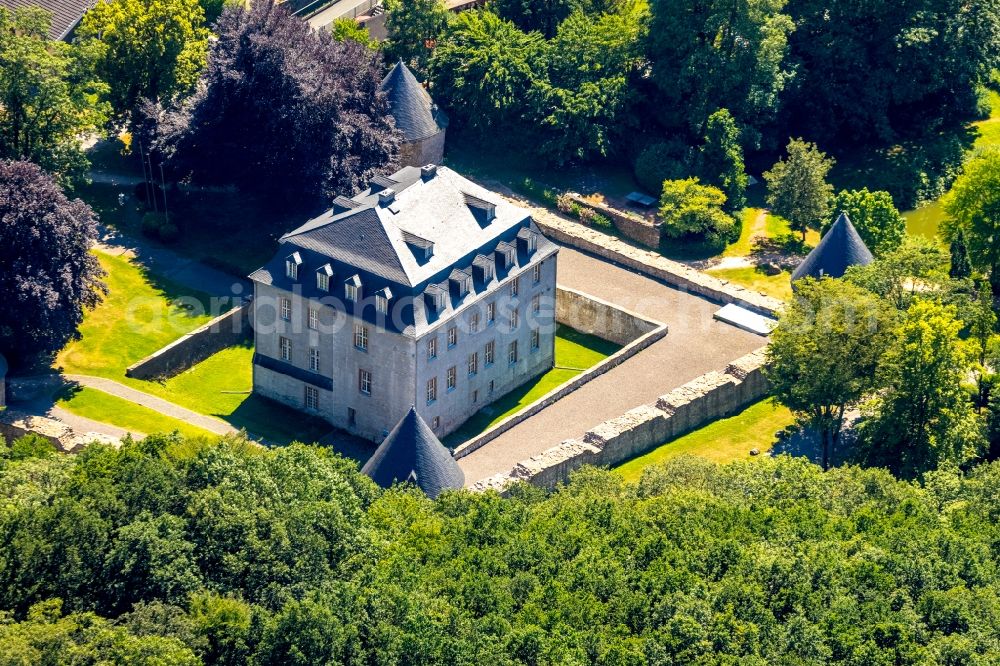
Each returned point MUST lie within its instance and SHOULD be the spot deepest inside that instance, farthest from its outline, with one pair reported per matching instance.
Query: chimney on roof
(386, 196)
(428, 171)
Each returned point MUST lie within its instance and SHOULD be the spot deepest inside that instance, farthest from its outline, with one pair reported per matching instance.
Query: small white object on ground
(745, 319)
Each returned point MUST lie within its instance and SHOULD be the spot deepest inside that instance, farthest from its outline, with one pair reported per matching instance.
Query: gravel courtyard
(695, 344)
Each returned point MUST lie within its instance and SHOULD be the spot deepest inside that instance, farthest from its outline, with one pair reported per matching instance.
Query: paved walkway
(695, 344)
(165, 407)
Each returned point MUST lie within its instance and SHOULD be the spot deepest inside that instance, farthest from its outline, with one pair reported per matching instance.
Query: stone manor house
(424, 291)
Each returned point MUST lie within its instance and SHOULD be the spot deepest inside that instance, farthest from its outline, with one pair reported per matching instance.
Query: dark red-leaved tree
(281, 110)
(47, 274)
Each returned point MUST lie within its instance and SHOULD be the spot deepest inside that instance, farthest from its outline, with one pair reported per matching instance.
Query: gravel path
(695, 344)
(165, 407)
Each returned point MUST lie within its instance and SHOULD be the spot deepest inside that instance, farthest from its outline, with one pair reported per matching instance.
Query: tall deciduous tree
(717, 53)
(546, 16)
(721, 159)
(282, 110)
(922, 417)
(690, 209)
(49, 96)
(149, 49)
(47, 274)
(797, 189)
(875, 217)
(485, 70)
(824, 352)
(961, 266)
(974, 207)
(414, 28)
(899, 276)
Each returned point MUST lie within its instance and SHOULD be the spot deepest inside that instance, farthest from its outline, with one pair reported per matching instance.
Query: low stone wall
(226, 330)
(576, 309)
(15, 424)
(592, 315)
(712, 396)
(632, 226)
(654, 265)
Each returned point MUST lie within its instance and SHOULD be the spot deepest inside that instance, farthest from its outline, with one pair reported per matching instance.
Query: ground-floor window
(352, 416)
(365, 381)
(312, 398)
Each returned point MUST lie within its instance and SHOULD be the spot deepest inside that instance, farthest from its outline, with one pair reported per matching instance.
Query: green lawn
(100, 406)
(778, 286)
(743, 246)
(141, 314)
(721, 441)
(575, 352)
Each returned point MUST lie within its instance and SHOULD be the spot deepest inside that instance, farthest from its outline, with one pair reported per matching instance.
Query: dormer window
(323, 275)
(352, 289)
(292, 263)
(438, 297)
(382, 301)
(506, 252)
(529, 238)
(421, 248)
(462, 281)
(484, 265)
(484, 211)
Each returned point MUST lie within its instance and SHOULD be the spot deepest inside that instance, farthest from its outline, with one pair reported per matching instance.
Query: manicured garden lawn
(777, 286)
(742, 247)
(100, 406)
(721, 441)
(575, 352)
(139, 315)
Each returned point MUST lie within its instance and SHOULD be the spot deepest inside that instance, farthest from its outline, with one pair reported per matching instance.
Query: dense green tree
(718, 54)
(692, 210)
(923, 417)
(875, 217)
(797, 189)
(149, 49)
(873, 72)
(961, 266)
(579, 105)
(312, 104)
(824, 352)
(414, 27)
(48, 277)
(973, 205)
(348, 28)
(721, 159)
(49, 96)
(484, 72)
(916, 266)
(545, 16)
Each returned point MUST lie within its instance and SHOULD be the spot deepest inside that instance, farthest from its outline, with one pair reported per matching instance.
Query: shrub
(659, 162)
(151, 224)
(169, 233)
(601, 222)
(984, 106)
(694, 211)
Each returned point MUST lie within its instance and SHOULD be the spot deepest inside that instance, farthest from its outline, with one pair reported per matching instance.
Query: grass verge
(99, 406)
(721, 441)
(778, 286)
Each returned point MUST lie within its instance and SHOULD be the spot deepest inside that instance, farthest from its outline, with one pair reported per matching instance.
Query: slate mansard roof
(66, 14)
(841, 248)
(412, 453)
(409, 232)
(415, 113)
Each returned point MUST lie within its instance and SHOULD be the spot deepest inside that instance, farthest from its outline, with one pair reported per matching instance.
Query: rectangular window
(512, 353)
(474, 322)
(475, 397)
(352, 416)
(490, 354)
(451, 378)
(432, 349)
(473, 363)
(535, 339)
(365, 382)
(350, 292)
(286, 349)
(492, 384)
(291, 269)
(515, 285)
(435, 423)
(382, 304)
(532, 242)
(536, 303)
(312, 397)
(361, 337)
(491, 313)
(314, 359)
(322, 281)
(452, 336)
(432, 390)
(313, 318)
(513, 319)
(286, 308)
(536, 273)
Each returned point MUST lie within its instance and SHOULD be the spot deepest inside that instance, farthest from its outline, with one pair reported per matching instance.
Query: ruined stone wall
(712, 396)
(226, 330)
(15, 424)
(632, 226)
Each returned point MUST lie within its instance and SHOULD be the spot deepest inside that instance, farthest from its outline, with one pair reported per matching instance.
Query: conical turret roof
(415, 113)
(412, 453)
(838, 250)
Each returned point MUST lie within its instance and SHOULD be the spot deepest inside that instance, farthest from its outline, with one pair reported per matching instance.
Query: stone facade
(429, 150)
(706, 398)
(15, 424)
(632, 226)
